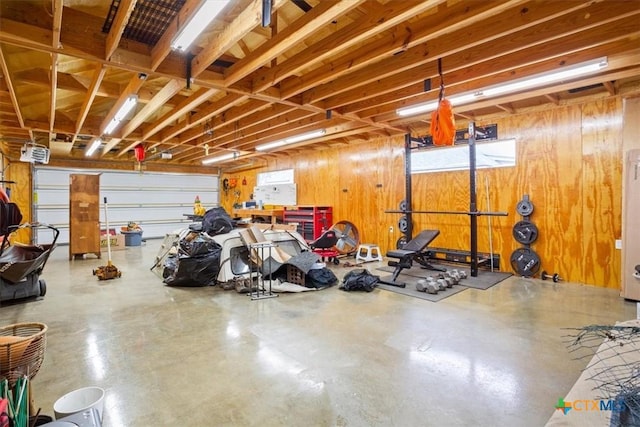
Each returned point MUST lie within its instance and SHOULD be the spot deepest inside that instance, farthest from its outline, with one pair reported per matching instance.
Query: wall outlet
(618, 244)
(391, 229)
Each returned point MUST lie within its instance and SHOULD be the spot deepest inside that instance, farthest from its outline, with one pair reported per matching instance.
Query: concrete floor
(205, 356)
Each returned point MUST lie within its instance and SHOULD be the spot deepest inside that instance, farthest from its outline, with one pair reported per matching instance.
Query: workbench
(273, 214)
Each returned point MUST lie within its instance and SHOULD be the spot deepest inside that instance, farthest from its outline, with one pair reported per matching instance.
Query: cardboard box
(117, 240)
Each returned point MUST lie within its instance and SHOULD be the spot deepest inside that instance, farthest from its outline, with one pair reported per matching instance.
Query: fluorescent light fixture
(538, 80)
(221, 158)
(291, 140)
(128, 105)
(431, 106)
(188, 33)
(93, 147)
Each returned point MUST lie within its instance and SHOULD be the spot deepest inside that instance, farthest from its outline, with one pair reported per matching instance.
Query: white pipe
(106, 220)
(486, 184)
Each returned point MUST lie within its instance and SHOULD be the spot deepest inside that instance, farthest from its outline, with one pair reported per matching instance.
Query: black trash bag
(320, 278)
(217, 221)
(200, 270)
(359, 280)
(197, 246)
(170, 266)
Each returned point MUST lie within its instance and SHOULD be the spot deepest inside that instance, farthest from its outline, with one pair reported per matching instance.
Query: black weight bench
(414, 250)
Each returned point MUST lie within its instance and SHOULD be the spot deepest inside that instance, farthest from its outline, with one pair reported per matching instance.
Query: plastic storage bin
(132, 238)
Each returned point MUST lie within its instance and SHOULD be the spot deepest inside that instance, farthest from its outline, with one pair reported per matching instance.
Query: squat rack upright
(473, 203)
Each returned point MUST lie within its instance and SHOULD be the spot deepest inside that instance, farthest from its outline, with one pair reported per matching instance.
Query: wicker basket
(22, 347)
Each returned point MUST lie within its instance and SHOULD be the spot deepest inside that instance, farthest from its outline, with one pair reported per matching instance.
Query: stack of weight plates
(525, 261)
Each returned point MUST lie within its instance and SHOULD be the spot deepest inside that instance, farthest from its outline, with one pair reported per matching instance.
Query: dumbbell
(453, 275)
(426, 285)
(448, 280)
(463, 274)
(555, 277)
(440, 282)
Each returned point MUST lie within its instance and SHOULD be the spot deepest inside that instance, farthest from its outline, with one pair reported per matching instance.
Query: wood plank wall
(569, 162)
(21, 195)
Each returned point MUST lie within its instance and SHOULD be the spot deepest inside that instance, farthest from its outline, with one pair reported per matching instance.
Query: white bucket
(79, 401)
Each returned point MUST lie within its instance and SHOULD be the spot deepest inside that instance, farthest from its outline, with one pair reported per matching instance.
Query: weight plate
(525, 232)
(525, 262)
(524, 206)
(403, 205)
(402, 241)
(403, 224)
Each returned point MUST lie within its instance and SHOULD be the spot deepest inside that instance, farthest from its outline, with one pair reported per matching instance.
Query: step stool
(368, 252)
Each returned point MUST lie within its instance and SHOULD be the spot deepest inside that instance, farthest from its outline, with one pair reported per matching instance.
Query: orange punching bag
(443, 125)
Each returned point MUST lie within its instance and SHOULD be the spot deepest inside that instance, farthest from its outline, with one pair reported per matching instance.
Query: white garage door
(159, 202)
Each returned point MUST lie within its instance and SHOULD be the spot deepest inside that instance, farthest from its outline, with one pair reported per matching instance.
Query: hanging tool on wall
(443, 126)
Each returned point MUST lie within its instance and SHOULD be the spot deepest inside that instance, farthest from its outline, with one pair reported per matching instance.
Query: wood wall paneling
(549, 170)
(569, 161)
(602, 189)
(20, 172)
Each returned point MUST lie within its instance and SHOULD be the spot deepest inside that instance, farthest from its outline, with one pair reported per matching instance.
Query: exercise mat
(410, 289)
(483, 281)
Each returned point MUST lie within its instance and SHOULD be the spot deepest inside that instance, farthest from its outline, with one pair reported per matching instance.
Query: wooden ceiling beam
(248, 19)
(52, 98)
(340, 130)
(117, 26)
(206, 112)
(163, 47)
(611, 88)
(232, 115)
(506, 107)
(57, 6)
(77, 45)
(553, 98)
(259, 130)
(132, 88)
(377, 19)
(299, 126)
(158, 101)
(226, 135)
(10, 87)
(319, 16)
(183, 108)
(236, 119)
(561, 87)
(76, 83)
(190, 103)
(398, 39)
(482, 40)
(98, 75)
(474, 66)
(43, 126)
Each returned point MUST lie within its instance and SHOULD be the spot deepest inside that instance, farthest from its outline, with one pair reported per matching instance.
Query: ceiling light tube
(125, 109)
(221, 158)
(291, 140)
(513, 86)
(93, 147)
(546, 78)
(209, 9)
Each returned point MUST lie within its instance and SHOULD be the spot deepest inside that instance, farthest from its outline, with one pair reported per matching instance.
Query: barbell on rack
(475, 213)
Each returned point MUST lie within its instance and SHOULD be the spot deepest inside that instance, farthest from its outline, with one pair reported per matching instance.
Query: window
(491, 154)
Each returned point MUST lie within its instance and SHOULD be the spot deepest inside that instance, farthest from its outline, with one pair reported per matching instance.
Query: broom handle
(106, 220)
